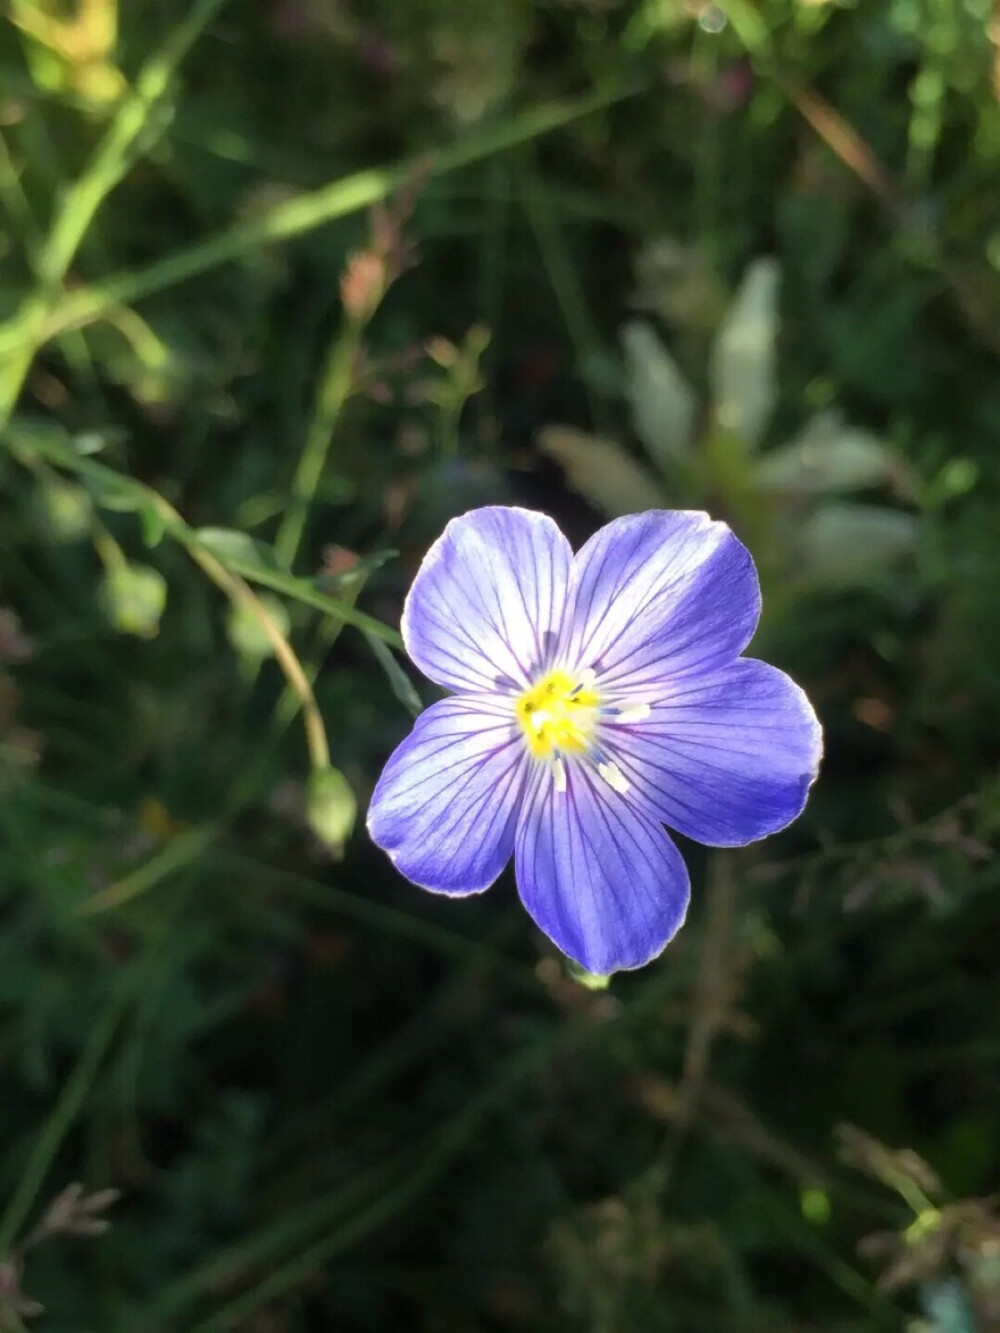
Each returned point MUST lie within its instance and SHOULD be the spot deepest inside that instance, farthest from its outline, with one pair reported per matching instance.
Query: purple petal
(727, 758)
(598, 874)
(661, 593)
(445, 808)
(487, 604)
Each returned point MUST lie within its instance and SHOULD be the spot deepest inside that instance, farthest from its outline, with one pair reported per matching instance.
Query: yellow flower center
(558, 714)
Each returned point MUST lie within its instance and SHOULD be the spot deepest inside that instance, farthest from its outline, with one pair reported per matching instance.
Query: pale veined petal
(726, 758)
(657, 594)
(488, 602)
(597, 872)
(445, 808)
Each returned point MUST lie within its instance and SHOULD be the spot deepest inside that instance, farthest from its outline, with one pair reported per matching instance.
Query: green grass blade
(309, 211)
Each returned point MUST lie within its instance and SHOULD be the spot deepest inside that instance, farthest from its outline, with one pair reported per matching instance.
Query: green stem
(15, 201)
(132, 494)
(106, 168)
(335, 385)
(111, 555)
(309, 211)
(177, 855)
(60, 1122)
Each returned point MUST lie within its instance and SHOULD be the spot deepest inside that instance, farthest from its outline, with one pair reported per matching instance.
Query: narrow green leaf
(362, 569)
(308, 211)
(112, 490)
(236, 549)
(252, 563)
(153, 525)
(402, 686)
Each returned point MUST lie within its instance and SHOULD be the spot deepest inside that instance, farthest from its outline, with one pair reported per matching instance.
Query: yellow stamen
(558, 714)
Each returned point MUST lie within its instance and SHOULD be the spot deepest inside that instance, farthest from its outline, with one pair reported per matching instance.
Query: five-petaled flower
(598, 697)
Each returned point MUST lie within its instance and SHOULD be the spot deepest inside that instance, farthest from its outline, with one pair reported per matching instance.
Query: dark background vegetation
(328, 1100)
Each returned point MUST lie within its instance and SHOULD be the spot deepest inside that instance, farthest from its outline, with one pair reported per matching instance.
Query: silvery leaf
(829, 456)
(742, 369)
(853, 543)
(663, 403)
(601, 471)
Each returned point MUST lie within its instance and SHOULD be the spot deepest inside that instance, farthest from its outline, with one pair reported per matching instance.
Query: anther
(614, 777)
(637, 713)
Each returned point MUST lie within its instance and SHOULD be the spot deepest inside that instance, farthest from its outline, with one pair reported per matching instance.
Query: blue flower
(597, 698)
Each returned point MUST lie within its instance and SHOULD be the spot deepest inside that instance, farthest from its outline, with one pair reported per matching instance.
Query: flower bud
(133, 597)
(331, 807)
(247, 634)
(65, 511)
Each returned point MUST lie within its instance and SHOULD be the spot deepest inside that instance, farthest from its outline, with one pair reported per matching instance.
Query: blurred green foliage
(284, 286)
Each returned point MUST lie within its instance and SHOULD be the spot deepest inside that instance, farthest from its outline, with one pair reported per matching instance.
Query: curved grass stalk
(229, 578)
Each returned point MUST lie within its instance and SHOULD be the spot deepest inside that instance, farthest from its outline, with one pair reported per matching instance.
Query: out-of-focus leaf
(257, 563)
(154, 525)
(663, 403)
(830, 456)
(33, 437)
(94, 441)
(65, 511)
(601, 471)
(114, 491)
(236, 549)
(31, 433)
(956, 478)
(743, 361)
(851, 543)
(678, 283)
(360, 569)
(948, 1307)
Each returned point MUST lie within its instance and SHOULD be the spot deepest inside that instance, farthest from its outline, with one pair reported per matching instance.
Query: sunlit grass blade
(306, 213)
(106, 168)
